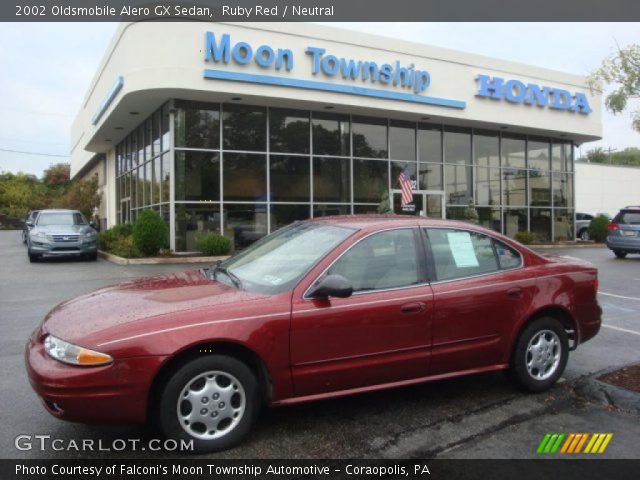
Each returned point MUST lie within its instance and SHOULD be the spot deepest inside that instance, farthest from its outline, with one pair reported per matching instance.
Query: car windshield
(60, 218)
(277, 262)
(630, 218)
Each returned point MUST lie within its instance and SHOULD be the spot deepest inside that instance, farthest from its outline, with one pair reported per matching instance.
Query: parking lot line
(626, 330)
(618, 296)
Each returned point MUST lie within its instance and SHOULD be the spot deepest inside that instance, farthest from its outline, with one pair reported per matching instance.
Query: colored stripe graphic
(331, 87)
(572, 443)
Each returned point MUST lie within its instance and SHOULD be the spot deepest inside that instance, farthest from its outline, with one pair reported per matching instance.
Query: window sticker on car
(462, 249)
(273, 280)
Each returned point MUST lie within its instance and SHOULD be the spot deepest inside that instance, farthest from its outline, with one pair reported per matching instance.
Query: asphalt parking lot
(483, 416)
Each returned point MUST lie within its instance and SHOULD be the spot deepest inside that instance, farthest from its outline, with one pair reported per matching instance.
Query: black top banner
(319, 10)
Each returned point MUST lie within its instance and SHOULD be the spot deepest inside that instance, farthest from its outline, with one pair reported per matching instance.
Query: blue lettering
(561, 99)
(317, 53)
(330, 65)
(350, 69)
(217, 51)
(285, 56)
(490, 87)
(422, 81)
(514, 91)
(370, 69)
(537, 96)
(581, 104)
(265, 56)
(385, 75)
(239, 56)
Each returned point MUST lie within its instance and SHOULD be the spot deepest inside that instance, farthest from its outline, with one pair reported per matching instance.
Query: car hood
(62, 229)
(142, 305)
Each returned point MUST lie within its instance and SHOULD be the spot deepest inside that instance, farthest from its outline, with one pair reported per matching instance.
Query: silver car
(623, 234)
(61, 233)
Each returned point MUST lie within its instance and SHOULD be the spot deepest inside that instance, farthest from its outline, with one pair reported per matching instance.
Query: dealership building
(240, 129)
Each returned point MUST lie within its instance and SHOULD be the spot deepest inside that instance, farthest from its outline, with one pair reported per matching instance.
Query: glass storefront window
(487, 186)
(366, 209)
(244, 223)
(194, 220)
(562, 225)
(513, 151)
(197, 175)
(157, 176)
(514, 221)
(140, 196)
(402, 140)
(290, 178)
(458, 186)
(157, 133)
(165, 127)
(244, 127)
(430, 176)
(139, 158)
(514, 186)
(489, 217)
(538, 155)
(166, 178)
(562, 191)
(539, 188)
(369, 137)
(330, 134)
(396, 170)
(326, 210)
(134, 188)
(457, 146)
(567, 165)
(148, 139)
(486, 149)
(197, 125)
(430, 143)
(245, 177)
(283, 215)
(541, 224)
(370, 180)
(289, 130)
(331, 179)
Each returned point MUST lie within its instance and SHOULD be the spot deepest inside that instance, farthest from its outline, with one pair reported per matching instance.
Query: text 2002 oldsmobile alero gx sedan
(319, 309)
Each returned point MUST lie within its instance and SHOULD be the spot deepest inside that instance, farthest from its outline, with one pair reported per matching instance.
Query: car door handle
(515, 292)
(414, 307)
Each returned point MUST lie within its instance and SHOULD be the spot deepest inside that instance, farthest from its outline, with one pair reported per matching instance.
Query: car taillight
(613, 226)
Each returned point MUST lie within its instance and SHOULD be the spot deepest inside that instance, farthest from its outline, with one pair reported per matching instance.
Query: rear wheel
(620, 253)
(212, 400)
(540, 355)
(584, 234)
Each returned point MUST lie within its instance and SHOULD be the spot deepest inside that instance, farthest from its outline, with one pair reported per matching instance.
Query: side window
(507, 256)
(380, 261)
(461, 253)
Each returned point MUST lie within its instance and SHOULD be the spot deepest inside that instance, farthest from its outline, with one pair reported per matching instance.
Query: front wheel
(212, 400)
(620, 253)
(540, 355)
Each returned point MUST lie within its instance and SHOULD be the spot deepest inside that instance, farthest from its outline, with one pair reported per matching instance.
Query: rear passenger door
(480, 290)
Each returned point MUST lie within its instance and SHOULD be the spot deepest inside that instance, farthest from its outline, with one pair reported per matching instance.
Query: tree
(20, 193)
(81, 195)
(57, 175)
(622, 70)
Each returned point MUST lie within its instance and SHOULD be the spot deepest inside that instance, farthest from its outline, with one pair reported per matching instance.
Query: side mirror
(332, 286)
(92, 224)
(29, 224)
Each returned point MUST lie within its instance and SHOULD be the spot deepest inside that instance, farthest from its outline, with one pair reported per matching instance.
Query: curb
(607, 394)
(158, 260)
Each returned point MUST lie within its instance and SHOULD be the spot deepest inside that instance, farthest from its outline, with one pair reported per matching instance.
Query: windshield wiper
(234, 278)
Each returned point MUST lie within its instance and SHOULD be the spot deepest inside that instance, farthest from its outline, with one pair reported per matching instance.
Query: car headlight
(39, 234)
(73, 354)
(90, 235)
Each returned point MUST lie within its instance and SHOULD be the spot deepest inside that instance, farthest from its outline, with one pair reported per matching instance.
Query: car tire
(540, 355)
(92, 257)
(584, 234)
(33, 258)
(223, 394)
(620, 253)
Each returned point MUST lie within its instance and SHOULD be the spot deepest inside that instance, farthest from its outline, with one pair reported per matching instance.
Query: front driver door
(381, 334)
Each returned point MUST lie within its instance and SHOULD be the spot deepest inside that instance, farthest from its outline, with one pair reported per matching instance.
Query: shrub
(107, 238)
(150, 233)
(213, 244)
(525, 237)
(598, 228)
(124, 247)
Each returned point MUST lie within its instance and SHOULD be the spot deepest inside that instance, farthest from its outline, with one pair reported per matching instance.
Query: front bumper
(63, 249)
(115, 393)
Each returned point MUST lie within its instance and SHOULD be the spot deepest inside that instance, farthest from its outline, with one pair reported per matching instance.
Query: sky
(47, 67)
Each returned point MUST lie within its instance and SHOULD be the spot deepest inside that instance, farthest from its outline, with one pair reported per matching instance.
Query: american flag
(405, 184)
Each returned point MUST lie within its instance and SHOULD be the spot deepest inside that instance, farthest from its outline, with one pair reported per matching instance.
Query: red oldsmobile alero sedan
(318, 309)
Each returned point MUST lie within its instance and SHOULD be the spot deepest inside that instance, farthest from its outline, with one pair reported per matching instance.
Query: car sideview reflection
(319, 309)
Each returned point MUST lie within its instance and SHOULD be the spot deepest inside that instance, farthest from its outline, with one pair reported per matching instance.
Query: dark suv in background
(623, 234)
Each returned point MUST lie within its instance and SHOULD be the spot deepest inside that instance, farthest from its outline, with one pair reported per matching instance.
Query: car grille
(64, 238)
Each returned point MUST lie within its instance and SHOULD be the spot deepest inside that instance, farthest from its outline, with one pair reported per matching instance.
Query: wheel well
(560, 314)
(240, 352)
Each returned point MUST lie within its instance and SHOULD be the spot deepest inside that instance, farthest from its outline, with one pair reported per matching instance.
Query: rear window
(628, 217)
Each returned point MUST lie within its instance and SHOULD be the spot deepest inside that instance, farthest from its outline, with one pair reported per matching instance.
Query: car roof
(376, 221)
(59, 210)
